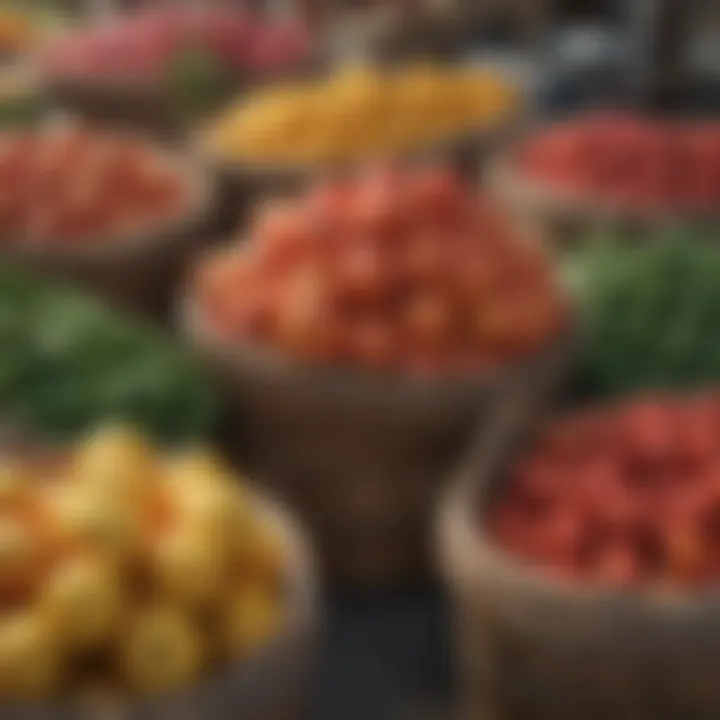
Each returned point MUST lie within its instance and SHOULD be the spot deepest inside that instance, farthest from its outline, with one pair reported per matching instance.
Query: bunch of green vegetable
(67, 363)
(652, 312)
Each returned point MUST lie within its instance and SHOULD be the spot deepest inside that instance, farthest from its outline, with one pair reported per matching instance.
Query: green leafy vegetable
(67, 363)
(652, 312)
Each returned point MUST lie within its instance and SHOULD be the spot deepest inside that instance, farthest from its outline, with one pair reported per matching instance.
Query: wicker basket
(146, 109)
(275, 684)
(532, 648)
(361, 456)
(564, 220)
(135, 273)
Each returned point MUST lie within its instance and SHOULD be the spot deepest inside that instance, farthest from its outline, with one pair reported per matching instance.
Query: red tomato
(436, 195)
(650, 431)
(617, 565)
(373, 343)
(427, 318)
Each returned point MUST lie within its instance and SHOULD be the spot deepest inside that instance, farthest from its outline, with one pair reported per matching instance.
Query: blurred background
(389, 652)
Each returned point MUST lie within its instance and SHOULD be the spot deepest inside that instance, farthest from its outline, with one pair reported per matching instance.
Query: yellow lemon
(29, 657)
(190, 565)
(117, 463)
(93, 522)
(253, 616)
(83, 598)
(161, 650)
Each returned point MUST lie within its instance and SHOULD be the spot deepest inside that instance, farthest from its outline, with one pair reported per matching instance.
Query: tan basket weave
(361, 456)
(531, 648)
(137, 272)
(274, 684)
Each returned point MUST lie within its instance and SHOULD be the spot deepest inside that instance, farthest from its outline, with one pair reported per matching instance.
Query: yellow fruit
(260, 553)
(21, 554)
(117, 463)
(198, 467)
(161, 650)
(83, 598)
(29, 657)
(15, 485)
(190, 565)
(253, 616)
(361, 112)
(93, 522)
(214, 509)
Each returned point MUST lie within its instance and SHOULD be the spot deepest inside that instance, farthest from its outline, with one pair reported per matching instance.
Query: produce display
(360, 113)
(651, 312)
(131, 568)
(397, 270)
(70, 186)
(625, 496)
(68, 362)
(630, 162)
(145, 47)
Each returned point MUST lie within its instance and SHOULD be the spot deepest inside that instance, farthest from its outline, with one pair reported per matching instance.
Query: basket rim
(355, 381)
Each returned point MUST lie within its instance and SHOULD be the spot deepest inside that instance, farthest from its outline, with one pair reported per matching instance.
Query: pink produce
(142, 46)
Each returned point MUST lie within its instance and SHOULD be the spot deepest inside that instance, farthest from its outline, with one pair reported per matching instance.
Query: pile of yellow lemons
(360, 113)
(149, 569)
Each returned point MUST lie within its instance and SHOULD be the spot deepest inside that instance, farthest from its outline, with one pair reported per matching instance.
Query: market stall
(304, 309)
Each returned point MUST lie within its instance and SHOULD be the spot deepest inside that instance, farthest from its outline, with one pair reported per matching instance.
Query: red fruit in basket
(686, 558)
(275, 46)
(427, 318)
(424, 257)
(557, 537)
(650, 432)
(360, 273)
(437, 196)
(538, 483)
(597, 482)
(698, 432)
(381, 206)
(373, 343)
(513, 325)
(616, 565)
(330, 209)
(284, 234)
(584, 436)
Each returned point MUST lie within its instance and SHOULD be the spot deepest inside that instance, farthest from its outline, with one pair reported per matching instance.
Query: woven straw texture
(361, 456)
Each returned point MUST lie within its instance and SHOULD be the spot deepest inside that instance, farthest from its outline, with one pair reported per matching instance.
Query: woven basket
(135, 273)
(532, 648)
(361, 456)
(564, 220)
(146, 109)
(274, 684)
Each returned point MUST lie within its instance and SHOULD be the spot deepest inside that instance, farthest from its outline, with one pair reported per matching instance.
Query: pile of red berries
(71, 186)
(623, 497)
(629, 161)
(397, 270)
